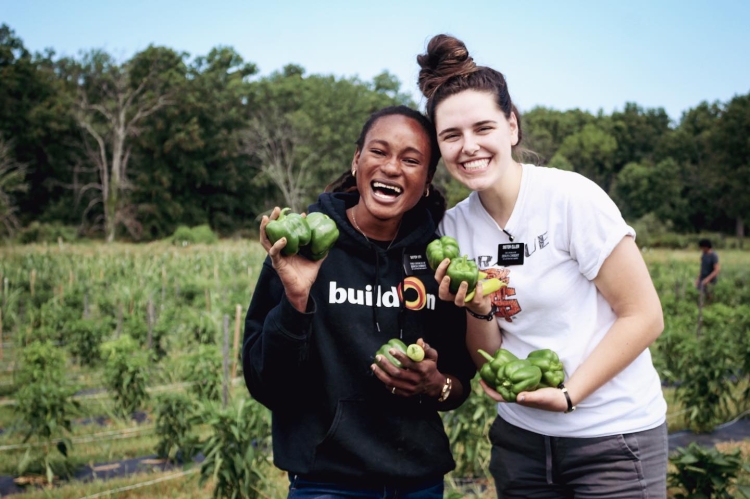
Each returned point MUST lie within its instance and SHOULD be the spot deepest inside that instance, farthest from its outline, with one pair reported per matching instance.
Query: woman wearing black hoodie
(344, 423)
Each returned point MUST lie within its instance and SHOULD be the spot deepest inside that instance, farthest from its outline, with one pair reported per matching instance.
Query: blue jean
(305, 489)
(529, 465)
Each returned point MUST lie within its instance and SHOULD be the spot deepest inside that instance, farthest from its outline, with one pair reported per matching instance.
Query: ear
(355, 159)
(513, 124)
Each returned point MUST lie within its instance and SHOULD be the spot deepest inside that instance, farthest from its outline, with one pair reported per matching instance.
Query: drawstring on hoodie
(401, 301)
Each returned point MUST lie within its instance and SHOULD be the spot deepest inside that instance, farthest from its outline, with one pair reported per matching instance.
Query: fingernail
(378, 358)
(522, 398)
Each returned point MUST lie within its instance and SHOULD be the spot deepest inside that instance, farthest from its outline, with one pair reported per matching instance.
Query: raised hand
(296, 272)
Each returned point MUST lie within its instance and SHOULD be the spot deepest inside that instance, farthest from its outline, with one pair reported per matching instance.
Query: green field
(179, 306)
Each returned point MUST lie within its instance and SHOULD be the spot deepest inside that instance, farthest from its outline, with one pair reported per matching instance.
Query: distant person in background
(709, 269)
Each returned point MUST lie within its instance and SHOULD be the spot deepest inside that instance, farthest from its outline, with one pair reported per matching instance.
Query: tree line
(132, 150)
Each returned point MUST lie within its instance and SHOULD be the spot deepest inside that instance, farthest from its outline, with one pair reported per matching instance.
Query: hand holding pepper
(323, 235)
(440, 249)
(412, 378)
(531, 382)
(549, 363)
(291, 226)
(297, 273)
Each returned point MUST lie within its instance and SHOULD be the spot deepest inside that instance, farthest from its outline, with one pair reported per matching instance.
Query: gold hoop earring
(427, 192)
(354, 173)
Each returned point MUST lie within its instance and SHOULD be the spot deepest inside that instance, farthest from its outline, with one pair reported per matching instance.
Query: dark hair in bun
(448, 69)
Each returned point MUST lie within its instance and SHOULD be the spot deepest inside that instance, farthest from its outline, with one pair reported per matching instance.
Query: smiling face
(476, 139)
(392, 167)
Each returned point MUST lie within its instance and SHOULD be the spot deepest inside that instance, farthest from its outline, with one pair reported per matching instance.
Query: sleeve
(594, 226)
(276, 340)
(453, 356)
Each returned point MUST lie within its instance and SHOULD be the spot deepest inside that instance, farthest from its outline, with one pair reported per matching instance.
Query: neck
(371, 227)
(500, 199)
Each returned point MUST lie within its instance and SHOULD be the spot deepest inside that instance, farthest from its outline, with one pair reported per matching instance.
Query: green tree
(732, 168)
(591, 152)
(545, 129)
(638, 133)
(643, 188)
(188, 166)
(34, 116)
(691, 145)
(12, 180)
(326, 114)
(112, 101)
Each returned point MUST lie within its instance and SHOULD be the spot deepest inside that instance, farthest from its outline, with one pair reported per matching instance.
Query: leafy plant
(84, 339)
(202, 234)
(44, 408)
(467, 428)
(204, 372)
(703, 472)
(236, 451)
(125, 373)
(707, 390)
(175, 415)
(41, 361)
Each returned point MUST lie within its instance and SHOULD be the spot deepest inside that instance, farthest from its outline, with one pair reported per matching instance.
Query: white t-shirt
(568, 226)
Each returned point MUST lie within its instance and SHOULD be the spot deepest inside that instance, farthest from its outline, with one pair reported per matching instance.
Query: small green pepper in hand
(492, 369)
(415, 352)
(552, 369)
(518, 376)
(392, 343)
(462, 269)
(293, 227)
(440, 249)
(323, 235)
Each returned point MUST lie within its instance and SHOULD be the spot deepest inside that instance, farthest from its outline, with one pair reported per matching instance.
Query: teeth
(476, 164)
(381, 185)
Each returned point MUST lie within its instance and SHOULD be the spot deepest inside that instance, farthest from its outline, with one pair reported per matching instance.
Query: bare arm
(479, 333)
(625, 283)
(713, 274)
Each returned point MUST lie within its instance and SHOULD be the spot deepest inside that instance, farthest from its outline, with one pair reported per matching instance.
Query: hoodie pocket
(365, 439)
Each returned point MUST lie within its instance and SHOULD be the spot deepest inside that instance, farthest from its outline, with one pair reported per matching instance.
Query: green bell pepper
(440, 249)
(490, 371)
(293, 227)
(552, 369)
(518, 376)
(392, 343)
(323, 235)
(462, 269)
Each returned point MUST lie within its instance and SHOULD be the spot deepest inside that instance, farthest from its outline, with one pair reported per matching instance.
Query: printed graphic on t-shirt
(507, 306)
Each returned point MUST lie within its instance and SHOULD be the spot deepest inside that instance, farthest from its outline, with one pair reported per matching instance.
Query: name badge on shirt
(416, 263)
(510, 254)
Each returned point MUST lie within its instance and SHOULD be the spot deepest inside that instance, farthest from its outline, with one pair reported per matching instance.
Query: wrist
(568, 400)
(299, 301)
(487, 316)
(445, 390)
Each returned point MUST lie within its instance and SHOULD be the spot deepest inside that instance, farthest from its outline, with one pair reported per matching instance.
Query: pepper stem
(284, 213)
(485, 355)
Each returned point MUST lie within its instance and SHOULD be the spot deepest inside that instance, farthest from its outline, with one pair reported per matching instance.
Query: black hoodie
(333, 419)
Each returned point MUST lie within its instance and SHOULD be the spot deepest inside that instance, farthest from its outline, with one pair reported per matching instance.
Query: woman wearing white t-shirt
(576, 283)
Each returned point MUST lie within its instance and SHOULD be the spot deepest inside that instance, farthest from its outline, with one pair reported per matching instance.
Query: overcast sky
(587, 54)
